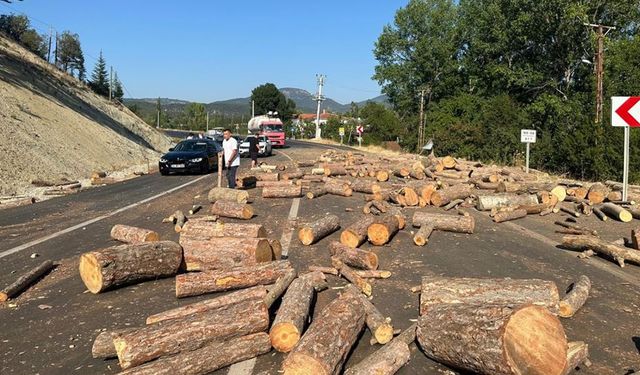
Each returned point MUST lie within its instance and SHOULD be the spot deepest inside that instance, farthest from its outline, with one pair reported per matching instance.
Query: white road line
(94, 220)
(246, 367)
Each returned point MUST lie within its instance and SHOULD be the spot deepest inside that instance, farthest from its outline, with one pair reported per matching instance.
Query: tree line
(489, 68)
(65, 50)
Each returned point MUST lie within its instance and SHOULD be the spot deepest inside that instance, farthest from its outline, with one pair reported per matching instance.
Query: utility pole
(421, 125)
(319, 98)
(599, 66)
(207, 121)
(253, 108)
(55, 57)
(110, 83)
(49, 49)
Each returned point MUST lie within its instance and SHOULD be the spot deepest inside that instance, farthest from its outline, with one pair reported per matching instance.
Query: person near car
(231, 157)
(254, 148)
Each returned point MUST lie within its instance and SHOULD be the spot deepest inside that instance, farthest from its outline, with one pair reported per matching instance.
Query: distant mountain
(304, 100)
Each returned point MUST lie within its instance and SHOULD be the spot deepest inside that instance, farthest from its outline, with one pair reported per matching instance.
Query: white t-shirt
(229, 145)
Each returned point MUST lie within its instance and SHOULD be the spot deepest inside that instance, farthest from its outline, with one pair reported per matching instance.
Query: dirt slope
(52, 126)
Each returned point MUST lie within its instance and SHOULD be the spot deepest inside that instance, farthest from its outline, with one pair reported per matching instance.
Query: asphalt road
(50, 328)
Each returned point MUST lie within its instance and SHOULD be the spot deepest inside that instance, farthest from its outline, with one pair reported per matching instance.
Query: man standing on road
(230, 147)
(253, 150)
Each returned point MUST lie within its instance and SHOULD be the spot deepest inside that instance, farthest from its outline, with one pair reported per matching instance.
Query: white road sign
(527, 136)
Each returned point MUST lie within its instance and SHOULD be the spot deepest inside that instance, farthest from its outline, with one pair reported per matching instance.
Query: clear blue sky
(220, 49)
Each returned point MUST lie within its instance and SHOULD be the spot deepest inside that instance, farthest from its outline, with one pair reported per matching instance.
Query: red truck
(270, 126)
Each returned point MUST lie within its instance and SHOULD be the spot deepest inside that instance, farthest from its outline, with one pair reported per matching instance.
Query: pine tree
(117, 90)
(99, 82)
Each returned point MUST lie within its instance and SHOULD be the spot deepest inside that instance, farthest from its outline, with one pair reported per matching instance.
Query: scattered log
(315, 193)
(290, 191)
(578, 192)
(255, 293)
(193, 332)
(305, 163)
(267, 176)
(574, 300)
(577, 355)
(576, 227)
(103, 347)
(441, 197)
(194, 209)
(276, 248)
(487, 202)
(373, 274)
(291, 175)
(509, 215)
(26, 280)
(327, 270)
(597, 193)
(476, 291)
(365, 186)
(125, 264)
(338, 188)
(271, 184)
(280, 287)
(448, 162)
(494, 339)
(448, 223)
(363, 259)
(569, 211)
(382, 176)
(389, 359)
(224, 252)
(618, 254)
(197, 283)
(232, 210)
(533, 208)
(129, 234)
(324, 347)
(383, 229)
(380, 327)
(334, 170)
(356, 234)
(350, 274)
(313, 232)
(179, 220)
(289, 323)
(616, 212)
(206, 230)
(422, 235)
(208, 358)
(226, 194)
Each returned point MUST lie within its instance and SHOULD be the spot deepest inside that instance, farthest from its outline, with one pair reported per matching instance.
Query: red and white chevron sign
(625, 111)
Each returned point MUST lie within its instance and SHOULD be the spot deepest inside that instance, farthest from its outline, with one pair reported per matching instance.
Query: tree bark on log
(365, 186)
(351, 275)
(24, 281)
(267, 176)
(126, 264)
(616, 212)
(316, 192)
(210, 357)
(487, 202)
(383, 229)
(289, 323)
(597, 193)
(448, 223)
(380, 327)
(324, 347)
(224, 252)
(232, 210)
(474, 291)
(103, 347)
(373, 274)
(325, 270)
(509, 215)
(206, 230)
(422, 235)
(494, 339)
(262, 184)
(280, 287)
(356, 234)
(388, 359)
(441, 197)
(292, 175)
(363, 259)
(338, 188)
(197, 283)
(276, 248)
(577, 355)
(182, 335)
(226, 194)
(180, 220)
(335, 170)
(129, 234)
(616, 253)
(576, 298)
(291, 191)
(313, 232)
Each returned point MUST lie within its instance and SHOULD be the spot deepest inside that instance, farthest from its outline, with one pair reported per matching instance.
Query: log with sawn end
(315, 231)
(26, 280)
(350, 274)
(354, 257)
(232, 210)
(129, 234)
(380, 327)
(576, 298)
(356, 234)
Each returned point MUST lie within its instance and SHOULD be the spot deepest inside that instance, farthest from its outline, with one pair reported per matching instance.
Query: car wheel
(164, 173)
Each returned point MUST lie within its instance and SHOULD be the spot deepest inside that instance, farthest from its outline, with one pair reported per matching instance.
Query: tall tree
(195, 115)
(267, 98)
(117, 90)
(70, 56)
(99, 81)
(18, 28)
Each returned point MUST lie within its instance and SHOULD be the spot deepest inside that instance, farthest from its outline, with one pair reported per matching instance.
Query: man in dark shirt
(253, 150)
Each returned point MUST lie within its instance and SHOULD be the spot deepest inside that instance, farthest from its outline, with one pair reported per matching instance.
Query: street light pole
(319, 98)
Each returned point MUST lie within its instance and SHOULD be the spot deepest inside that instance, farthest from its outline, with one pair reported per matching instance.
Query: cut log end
(535, 340)
(349, 238)
(306, 236)
(378, 234)
(3, 297)
(302, 364)
(384, 334)
(284, 336)
(90, 272)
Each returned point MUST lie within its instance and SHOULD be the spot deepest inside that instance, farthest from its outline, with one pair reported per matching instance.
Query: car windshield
(191, 146)
(272, 128)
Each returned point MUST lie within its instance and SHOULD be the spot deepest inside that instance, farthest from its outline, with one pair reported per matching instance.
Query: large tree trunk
(441, 197)
(324, 347)
(206, 230)
(617, 253)
(597, 193)
(356, 234)
(209, 358)
(574, 300)
(197, 283)
(129, 234)
(224, 252)
(24, 281)
(290, 319)
(232, 209)
(488, 202)
(616, 212)
(313, 232)
(449, 223)
(127, 264)
(292, 191)
(383, 229)
(363, 259)
(388, 359)
(257, 292)
(380, 327)
(469, 291)
(225, 194)
(181, 335)
(494, 339)
(103, 347)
